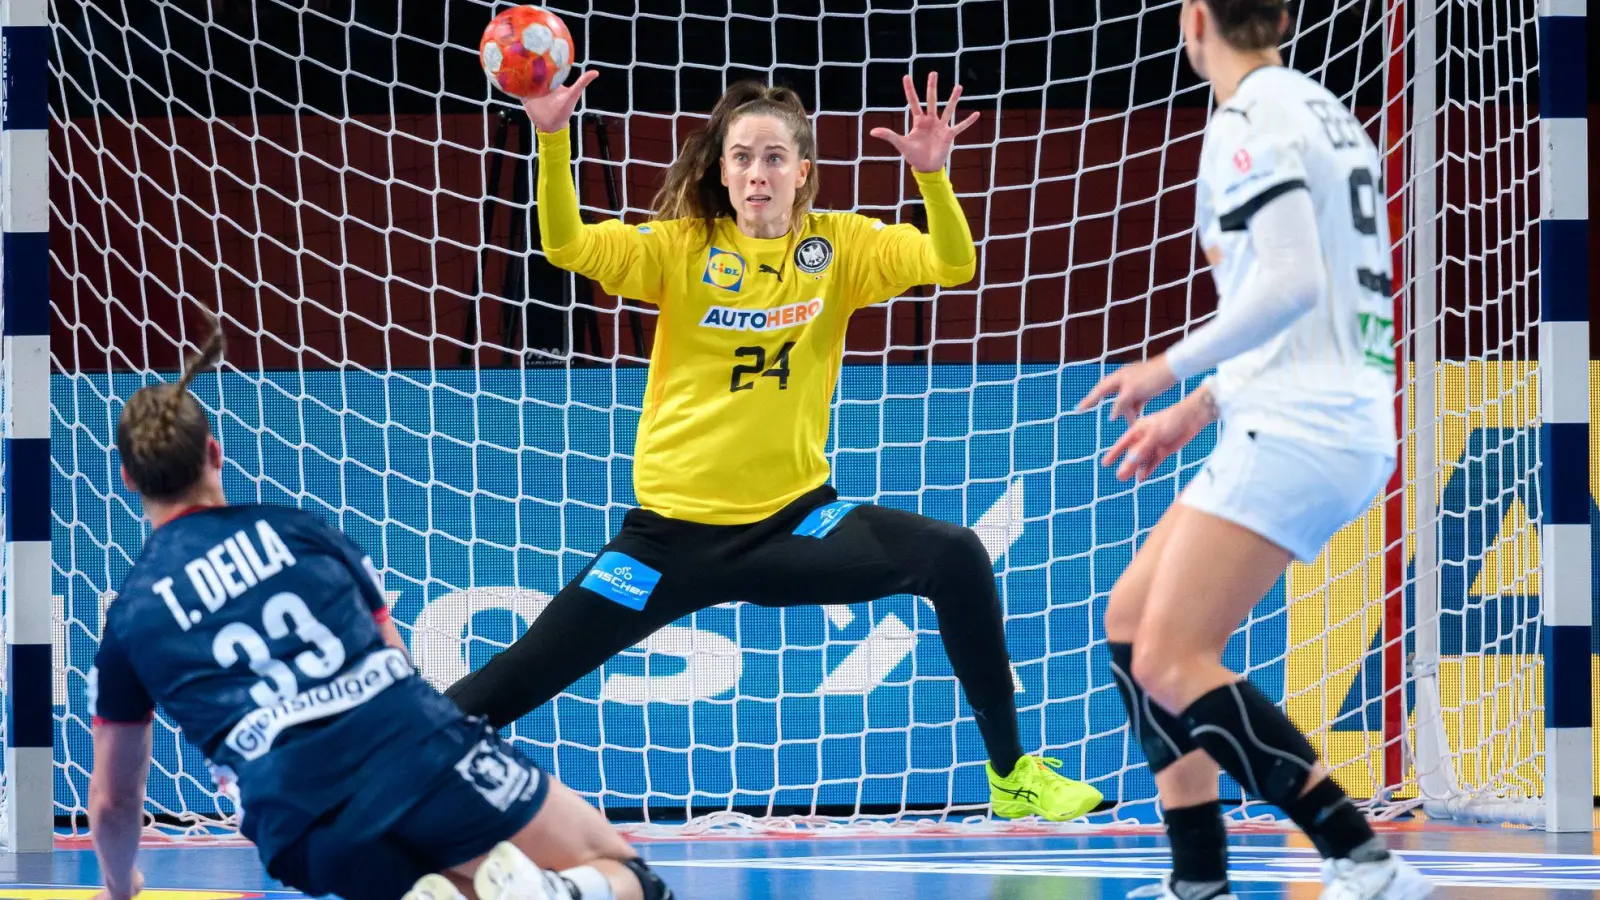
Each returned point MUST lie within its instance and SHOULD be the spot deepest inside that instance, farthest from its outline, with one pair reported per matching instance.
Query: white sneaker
(506, 874)
(433, 887)
(1388, 879)
(1163, 891)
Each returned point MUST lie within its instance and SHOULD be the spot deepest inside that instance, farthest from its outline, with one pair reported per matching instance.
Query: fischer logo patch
(622, 579)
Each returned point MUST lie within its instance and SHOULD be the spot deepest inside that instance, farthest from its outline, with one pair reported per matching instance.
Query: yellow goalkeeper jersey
(750, 338)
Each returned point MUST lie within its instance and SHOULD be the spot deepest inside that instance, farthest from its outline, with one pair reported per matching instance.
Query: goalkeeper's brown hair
(693, 187)
(163, 433)
(1249, 25)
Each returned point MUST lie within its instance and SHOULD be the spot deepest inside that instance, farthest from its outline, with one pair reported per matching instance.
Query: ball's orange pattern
(526, 51)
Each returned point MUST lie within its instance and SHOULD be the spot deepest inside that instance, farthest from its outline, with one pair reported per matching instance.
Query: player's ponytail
(693, 187)
(1250, 25)
(162, 433)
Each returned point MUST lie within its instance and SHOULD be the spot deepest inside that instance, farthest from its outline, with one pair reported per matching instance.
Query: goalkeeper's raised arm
(760, 187)
(756, 290)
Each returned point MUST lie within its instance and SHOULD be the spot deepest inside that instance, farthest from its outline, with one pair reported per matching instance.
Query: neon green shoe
(1035, 788)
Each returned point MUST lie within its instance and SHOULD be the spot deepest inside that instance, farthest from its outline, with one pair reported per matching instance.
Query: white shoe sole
(506, 874)
(433, 887)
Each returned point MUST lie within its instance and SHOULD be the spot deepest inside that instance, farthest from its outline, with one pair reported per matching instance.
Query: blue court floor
(1467, 863)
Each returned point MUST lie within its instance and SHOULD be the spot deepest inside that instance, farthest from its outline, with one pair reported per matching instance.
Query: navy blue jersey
(256, 629)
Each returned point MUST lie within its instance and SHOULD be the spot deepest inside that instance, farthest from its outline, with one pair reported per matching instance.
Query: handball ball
(526, 52)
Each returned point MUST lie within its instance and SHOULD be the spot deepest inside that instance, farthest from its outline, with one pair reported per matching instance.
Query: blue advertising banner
(480, 493)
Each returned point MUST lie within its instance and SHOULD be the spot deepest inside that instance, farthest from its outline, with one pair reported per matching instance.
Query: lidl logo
(724, 269)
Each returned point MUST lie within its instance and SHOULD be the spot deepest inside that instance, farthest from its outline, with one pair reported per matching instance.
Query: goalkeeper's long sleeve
(633, 261)
(899, 257)
(951, 256)
(625, 259)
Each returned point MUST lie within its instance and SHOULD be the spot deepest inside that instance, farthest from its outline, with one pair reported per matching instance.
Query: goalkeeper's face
(763, 171)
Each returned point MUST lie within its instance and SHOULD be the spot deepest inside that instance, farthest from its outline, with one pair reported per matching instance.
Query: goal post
(1452, 162)
(1566, 408)
(344, 188)
(25, 415)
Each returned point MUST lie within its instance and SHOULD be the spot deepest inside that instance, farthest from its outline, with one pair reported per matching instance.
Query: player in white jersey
(1290, 217)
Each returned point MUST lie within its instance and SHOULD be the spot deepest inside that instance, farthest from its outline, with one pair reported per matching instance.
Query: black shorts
(817, 549)
(467, 791)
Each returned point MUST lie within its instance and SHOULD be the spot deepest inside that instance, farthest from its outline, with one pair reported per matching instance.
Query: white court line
(1310, 875)
(1235, 849)
(1281, 864)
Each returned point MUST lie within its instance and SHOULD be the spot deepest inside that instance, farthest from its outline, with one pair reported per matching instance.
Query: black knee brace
(654, 887)
(1162, 737)
(1253, 741)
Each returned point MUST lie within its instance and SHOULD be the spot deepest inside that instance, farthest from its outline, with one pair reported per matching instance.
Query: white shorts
(1294, 493)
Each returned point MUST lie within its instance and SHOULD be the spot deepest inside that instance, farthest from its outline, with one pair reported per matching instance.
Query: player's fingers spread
(911, 95)
(1159, 453)
(1121, 408)
(1118, 448)
(1151, 460)
(950, 105)
(1142, 453)
(1130, 464)
(1126, 408)
(1100, 391)
(1129, 468)
(884, 134)
(965, 124)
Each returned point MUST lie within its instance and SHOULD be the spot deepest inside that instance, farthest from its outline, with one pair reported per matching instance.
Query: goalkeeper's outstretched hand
(926, 145)
(553, 111)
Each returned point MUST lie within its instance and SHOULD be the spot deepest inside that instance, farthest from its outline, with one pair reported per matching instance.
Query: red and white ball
(526, 51)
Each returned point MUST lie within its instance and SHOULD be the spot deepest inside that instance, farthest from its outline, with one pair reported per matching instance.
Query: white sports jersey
(1329, 377)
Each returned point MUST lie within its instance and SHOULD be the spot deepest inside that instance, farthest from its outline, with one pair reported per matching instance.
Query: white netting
(1472, 482)
(402, 362)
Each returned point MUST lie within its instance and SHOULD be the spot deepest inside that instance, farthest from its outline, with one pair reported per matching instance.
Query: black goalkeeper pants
(816, 550)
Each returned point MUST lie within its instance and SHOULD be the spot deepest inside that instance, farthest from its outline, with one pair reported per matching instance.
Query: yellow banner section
(1486, 454)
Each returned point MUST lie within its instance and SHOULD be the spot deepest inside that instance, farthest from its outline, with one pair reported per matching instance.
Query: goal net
(341, 184)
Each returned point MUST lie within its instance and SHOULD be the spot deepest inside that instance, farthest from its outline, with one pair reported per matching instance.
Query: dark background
(320, 171)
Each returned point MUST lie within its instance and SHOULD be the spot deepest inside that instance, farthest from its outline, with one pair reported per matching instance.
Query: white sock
(591, 883)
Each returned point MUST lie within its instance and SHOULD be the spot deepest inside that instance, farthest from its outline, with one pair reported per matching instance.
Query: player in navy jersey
(263, 633)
